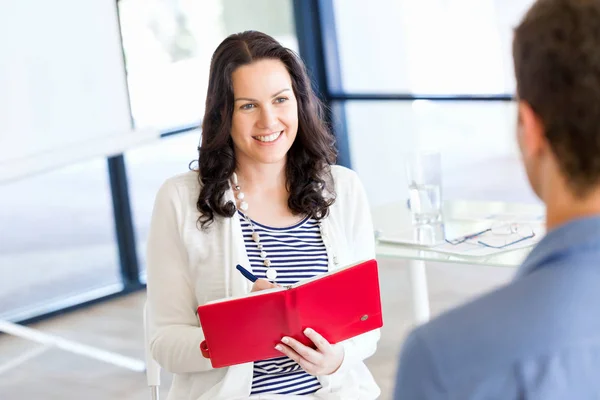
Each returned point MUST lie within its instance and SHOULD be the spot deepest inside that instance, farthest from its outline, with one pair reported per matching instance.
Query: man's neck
(563, 207)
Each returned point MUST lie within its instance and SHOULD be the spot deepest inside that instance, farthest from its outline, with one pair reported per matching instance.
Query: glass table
(460, 218)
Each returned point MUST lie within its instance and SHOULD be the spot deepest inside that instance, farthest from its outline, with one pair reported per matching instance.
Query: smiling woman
(257, 89)
(267, 197)
(263, 128)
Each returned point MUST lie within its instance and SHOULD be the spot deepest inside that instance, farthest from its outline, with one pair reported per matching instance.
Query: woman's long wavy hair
(308, 172)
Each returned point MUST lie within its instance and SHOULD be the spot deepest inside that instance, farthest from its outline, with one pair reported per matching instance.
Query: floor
(117, 326)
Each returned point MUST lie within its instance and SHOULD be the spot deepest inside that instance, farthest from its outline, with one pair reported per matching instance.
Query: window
(58, 239)
(168, 45)
(469, 134)
(428, 46)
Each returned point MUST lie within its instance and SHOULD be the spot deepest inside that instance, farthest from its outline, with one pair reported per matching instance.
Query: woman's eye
(247, 106)
(281, 99)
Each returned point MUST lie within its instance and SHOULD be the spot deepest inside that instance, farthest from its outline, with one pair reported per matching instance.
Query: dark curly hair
(308, 172)
(556, 51)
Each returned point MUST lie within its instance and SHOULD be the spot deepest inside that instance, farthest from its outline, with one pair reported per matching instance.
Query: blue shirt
(536, 338)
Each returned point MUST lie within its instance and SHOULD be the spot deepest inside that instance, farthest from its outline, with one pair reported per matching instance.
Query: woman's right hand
(262, 284)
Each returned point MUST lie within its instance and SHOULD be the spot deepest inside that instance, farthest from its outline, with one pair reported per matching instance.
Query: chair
(152, 367)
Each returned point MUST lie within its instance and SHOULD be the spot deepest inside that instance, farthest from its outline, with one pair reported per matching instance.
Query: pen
(249, 275)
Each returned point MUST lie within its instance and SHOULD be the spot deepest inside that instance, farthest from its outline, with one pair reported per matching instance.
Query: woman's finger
(262, 284)
(306, 352)
(322, 344)
(291, 353)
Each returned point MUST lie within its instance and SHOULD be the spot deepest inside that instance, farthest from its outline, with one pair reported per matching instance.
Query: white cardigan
(187, 267)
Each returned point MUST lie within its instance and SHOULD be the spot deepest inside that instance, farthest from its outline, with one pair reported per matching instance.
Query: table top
(460, 218)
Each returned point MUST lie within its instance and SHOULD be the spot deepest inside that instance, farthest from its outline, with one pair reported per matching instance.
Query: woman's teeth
(270, 138)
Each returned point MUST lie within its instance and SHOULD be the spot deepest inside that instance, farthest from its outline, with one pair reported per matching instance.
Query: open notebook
(339, 305)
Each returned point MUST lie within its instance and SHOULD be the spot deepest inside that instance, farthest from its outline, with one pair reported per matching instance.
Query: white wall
(63, 91)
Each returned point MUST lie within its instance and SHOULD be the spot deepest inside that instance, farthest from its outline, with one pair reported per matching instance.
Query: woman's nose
(268, 118)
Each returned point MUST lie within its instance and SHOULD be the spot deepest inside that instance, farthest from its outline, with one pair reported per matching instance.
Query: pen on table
(249, 275)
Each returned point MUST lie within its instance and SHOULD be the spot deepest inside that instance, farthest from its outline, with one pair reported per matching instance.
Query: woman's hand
(262, 284)
(325, 360)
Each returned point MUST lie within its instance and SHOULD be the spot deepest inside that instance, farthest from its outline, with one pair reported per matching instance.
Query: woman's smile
(268, 139)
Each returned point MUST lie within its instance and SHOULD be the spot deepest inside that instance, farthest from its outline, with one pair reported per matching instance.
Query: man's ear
(532, 134)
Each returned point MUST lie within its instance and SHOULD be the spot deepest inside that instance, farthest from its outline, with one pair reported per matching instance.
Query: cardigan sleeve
(362, 242)
(175, 335)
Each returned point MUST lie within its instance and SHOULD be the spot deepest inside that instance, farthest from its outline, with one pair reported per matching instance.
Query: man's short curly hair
(556, 53)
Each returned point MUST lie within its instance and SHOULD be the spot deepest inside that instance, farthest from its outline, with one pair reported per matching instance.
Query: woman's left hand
(324, 360)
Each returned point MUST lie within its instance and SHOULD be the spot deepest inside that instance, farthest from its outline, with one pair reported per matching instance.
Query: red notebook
(339, 305)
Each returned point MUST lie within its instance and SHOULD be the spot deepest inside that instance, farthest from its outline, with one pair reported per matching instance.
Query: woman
(265, 196)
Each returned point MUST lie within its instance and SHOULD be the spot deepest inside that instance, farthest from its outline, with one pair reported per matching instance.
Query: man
(539, 336)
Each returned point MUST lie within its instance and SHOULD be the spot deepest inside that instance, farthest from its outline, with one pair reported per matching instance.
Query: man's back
(537, 338)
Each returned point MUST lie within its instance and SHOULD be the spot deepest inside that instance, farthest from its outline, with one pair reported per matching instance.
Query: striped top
(296, 252)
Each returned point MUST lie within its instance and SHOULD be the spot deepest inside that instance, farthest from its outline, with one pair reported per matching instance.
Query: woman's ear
(531, 135)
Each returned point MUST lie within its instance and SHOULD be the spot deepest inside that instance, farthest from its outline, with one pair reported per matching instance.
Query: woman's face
(265, 113)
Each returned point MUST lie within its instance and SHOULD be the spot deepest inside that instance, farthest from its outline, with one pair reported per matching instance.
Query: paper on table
(473, 247)
(469, 248)
(422, 235)
(509, 217)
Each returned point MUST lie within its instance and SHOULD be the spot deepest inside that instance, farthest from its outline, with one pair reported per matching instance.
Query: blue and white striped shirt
(296, 252)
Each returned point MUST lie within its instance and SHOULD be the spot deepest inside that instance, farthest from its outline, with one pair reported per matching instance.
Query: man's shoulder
(462, 355)
(484, 335)
(531, 316)
(484, 344)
